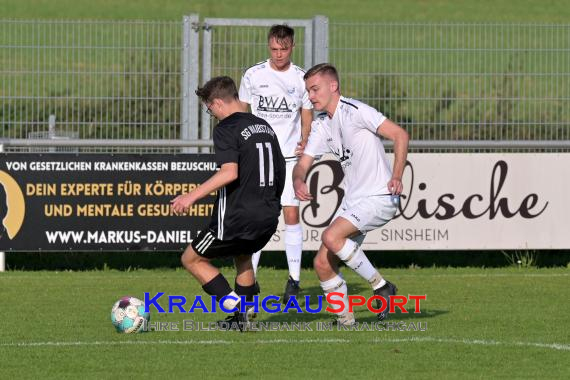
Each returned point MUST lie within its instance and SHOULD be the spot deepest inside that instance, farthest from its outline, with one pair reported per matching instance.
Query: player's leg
(255, 261)
(196, 259)
(336, 238)
(293, 241)
(293, 234)
(339, 237)
(246, 287)
(326, 266)
(198, 266)
(245, 283)
(245, 279)
(293, 250)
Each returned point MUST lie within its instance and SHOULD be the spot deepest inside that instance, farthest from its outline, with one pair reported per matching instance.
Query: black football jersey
(249, 207)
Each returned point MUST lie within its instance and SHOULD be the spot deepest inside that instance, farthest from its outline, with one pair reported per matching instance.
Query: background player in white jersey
(351, 130)
(275, 91)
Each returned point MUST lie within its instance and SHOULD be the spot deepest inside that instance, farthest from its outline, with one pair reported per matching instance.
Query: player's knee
(189, 258)
(321, 264)
(184, 260)
(243, 262)
(330, 240)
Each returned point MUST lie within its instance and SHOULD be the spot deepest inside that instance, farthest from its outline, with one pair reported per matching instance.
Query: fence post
(189, 103)
(206, 76)
(51, 131)
(320, 39)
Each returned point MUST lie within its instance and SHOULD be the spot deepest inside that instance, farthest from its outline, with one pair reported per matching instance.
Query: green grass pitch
(533, 11)
(481, 323)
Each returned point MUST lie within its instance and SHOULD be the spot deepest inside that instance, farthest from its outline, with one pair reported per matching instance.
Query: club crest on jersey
(343, 156)
(291, 90)
(346, 154)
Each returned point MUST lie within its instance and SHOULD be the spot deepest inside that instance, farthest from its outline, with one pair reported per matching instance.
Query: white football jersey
(277, 97)
(351, 136)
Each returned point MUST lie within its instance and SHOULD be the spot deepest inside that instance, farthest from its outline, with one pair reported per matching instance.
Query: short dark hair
(222, 87)
(322, 69)
(281, 33)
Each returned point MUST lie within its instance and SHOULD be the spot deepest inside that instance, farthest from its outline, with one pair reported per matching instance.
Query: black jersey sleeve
(226, 145)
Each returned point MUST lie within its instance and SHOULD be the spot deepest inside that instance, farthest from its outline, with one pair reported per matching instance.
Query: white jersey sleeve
(245, 88)
(317, 143)
(306, 102)
(370, 117)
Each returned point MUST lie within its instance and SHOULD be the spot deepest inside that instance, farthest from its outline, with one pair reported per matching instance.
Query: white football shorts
(369, 213)
(288, 196)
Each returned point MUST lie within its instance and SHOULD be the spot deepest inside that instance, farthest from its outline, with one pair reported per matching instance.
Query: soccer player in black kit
(249, 182)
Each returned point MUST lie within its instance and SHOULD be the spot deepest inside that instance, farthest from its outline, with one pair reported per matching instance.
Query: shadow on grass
(366, 316)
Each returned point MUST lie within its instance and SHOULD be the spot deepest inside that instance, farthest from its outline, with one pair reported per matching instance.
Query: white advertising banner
(457, 201)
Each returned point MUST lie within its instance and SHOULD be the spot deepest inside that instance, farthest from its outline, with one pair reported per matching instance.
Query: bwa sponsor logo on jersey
(274, 104)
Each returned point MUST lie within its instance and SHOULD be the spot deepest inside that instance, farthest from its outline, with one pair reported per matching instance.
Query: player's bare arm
(399, 136)
(306, 120)
(227, 174)
(299, 175)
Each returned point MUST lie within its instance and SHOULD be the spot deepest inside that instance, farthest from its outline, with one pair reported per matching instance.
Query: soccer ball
(128, 315)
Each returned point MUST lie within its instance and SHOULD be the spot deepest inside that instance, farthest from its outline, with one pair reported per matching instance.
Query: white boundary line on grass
(474, 342)
(488, 275)
(469, 342)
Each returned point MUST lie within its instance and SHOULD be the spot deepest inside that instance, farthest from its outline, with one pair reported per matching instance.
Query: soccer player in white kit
(351, 130)
(275, 91)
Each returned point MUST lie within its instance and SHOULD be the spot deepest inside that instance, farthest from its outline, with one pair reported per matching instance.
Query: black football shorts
(206, 244)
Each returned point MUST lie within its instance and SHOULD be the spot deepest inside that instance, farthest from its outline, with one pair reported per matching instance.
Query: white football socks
(230, 303)
(336, 284)
(294, 249)
(354, 258)
(255, 261)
